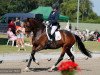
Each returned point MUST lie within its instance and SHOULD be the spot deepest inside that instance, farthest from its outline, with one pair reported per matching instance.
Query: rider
(53, 20)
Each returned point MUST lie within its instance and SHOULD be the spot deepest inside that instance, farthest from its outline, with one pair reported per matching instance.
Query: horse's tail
(82, 47)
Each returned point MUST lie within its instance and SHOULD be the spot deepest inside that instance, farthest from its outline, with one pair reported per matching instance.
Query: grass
(91, 46)
(8, 48)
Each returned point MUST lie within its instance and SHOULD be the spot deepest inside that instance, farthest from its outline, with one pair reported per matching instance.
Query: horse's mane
(36, 26)
(36, 23)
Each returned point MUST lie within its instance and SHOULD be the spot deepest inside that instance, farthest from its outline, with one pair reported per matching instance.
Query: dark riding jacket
(53, 18)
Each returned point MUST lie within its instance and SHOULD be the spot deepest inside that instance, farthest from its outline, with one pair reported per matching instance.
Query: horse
(40, 41)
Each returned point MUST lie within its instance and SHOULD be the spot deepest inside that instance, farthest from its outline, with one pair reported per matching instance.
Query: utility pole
(78, 12)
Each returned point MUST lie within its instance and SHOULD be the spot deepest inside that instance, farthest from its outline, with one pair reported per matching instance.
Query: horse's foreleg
(32, 54)
(31, 57)
(30, 60)
(28, 65)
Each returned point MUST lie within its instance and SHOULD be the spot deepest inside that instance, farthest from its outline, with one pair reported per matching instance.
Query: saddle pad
(57, 35)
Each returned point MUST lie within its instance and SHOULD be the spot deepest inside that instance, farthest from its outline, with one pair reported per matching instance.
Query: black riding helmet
(55, 7)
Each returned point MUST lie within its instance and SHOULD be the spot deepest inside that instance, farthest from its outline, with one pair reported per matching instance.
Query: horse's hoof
(49, 59)
(86, 58)
(50, 70)
(37, 63)
(26, 69)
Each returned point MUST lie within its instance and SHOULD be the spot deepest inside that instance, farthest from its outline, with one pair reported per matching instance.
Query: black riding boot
(53, 38)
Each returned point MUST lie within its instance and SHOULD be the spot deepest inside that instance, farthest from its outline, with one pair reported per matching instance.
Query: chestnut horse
(40, 41)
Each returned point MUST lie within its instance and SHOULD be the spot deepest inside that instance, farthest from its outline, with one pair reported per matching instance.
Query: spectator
(20, 35)
(11, 25)
(67, 26)
(11, 35)
(17, 23)
(70, 26)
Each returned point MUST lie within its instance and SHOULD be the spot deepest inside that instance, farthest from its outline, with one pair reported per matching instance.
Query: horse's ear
(28, 19)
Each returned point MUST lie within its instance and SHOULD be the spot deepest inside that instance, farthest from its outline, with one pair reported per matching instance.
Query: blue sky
(96, 7)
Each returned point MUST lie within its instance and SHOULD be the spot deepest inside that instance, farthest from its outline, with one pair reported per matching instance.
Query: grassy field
(8, 48)
(90, 45)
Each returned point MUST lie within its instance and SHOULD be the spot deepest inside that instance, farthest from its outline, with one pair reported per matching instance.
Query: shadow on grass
(3, 41)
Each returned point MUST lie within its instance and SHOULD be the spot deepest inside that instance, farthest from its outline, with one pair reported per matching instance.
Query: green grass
(8, 48)
(90, 45)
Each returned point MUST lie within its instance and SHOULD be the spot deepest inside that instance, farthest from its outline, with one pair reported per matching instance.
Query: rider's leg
(53, 29)
(52, 32)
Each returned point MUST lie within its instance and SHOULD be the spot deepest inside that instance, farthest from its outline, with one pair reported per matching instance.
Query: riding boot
(53, 38)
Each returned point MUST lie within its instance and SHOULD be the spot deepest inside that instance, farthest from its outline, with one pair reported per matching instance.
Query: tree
(85, 8)
(69, 7)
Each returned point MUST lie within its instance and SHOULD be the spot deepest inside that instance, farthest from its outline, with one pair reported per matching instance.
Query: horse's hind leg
(70, 54)
(60, 58)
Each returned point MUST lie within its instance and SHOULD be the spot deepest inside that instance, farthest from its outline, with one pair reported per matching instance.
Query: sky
(96, 8)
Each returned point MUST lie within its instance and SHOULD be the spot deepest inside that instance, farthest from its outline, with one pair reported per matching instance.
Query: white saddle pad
(57, 36)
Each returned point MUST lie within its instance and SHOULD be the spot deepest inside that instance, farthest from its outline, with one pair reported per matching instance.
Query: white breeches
(53, 29)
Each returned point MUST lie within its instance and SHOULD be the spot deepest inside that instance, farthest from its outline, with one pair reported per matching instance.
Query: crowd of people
(85, 35)
(16, 31)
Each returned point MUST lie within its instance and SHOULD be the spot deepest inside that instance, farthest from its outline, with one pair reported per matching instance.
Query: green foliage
(45, 2)
(8, 6)
(92, 21)
(67, 8)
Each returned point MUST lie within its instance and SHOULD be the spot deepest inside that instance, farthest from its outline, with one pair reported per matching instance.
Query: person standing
(17, 23)
(20, 34)
(53, 20)
(11, 25)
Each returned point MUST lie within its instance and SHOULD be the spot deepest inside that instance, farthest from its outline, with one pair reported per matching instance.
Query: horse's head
(28, 27)
(32, 25)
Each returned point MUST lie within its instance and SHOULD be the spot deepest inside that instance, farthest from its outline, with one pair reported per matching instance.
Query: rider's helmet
(55, 7)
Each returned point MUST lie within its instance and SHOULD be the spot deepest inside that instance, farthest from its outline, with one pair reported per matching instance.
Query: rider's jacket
(53, 18)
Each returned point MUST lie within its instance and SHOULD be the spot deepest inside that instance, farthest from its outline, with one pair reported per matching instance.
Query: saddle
(56, 35)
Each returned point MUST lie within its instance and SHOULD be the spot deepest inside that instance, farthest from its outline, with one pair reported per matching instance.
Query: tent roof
(22, 15)
(46, 11)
